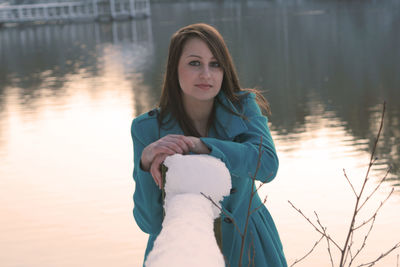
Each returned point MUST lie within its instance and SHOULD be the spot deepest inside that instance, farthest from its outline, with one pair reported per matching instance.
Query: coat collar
(231, 124)
(227, 124)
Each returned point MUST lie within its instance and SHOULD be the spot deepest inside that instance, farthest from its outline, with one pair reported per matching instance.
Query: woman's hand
(154, 154)
(168, 145)
(199, 147)
(155, 169)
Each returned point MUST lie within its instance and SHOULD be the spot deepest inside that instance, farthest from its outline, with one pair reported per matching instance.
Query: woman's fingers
(173, 145)
(152, 150)
(162, 150)
(169, 145)
(166, 146)
(200, 147)
(154, 174)
(178, 143)
(155, 169)
(184, 141)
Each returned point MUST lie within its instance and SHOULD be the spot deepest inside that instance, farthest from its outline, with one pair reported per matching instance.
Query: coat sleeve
(148, 211)
(241, 156)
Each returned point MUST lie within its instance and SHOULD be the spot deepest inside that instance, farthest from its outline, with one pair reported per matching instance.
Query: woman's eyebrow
(198, 56)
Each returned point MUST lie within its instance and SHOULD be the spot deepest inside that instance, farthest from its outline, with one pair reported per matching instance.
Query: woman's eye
(215, 64)
(194, 63)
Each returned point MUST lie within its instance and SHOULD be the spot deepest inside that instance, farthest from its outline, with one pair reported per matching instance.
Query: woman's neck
(199, 113)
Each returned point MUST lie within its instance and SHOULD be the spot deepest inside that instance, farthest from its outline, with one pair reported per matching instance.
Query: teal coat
(235, 141)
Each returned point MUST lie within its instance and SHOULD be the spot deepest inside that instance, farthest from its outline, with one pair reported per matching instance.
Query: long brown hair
(171, 95)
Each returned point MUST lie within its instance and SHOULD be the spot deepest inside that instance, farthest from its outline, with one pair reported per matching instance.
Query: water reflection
(338, 55)
(40, 60)
(66, 97)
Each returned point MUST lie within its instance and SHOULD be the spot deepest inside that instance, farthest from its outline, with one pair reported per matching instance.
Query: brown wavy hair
(171, 95)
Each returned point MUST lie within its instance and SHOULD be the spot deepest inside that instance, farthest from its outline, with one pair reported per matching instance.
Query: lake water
(68, 93)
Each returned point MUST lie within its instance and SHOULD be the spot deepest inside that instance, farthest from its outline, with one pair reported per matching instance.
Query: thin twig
(253, 177)
(364, 241)
(372, 263)
(349, 253)
(251, 200)
(250, 256)
(325, 235)
(346, 250)
(262, 204)
(315, 227)
(224, 212)
(308, 253)
(261, 184)
(376, 188)
(348, 180)
(380, 130)
(376, 212)
(373, 218)
(356, 207)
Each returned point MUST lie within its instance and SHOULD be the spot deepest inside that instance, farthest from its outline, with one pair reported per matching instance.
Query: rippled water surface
(68, 93)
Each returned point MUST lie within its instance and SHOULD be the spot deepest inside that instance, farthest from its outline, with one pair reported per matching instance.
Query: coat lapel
(231, 124)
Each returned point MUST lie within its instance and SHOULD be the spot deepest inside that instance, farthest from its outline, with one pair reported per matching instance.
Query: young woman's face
(200, 75)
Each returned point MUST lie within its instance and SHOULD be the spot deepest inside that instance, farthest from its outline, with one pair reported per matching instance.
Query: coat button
(233, 190)
(227, 220)
(151, 113)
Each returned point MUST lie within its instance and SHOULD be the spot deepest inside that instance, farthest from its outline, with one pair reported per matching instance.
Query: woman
(203, 110)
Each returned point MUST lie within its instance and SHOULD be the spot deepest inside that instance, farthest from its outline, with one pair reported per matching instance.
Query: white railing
(75, 10)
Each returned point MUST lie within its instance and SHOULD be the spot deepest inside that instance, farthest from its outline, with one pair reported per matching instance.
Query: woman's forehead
(195, 47)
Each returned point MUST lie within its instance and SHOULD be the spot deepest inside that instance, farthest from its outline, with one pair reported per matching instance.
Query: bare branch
(253, 178)
(371, 226)
(364, 241)
(372, 263)
(349, 253)
(379, 131)
(308, 253)
(258, 188)
(315, 227)
(262, 183)
(376, 188)
(356, 207)
(325, 235)
(250, 256)
(319, 222)
(224, 212)
(253, 192)
(348, 180)
(376, 212)
(262, 204)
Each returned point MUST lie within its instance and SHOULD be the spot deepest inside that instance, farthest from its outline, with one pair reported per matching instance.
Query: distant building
(22, 11)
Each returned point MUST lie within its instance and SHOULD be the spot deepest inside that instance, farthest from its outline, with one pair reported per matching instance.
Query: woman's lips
(203, 86)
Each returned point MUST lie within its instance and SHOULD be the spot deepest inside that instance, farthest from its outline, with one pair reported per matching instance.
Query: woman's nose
(205, 72)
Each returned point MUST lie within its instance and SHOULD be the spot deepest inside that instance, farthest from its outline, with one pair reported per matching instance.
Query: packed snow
(187, 235)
